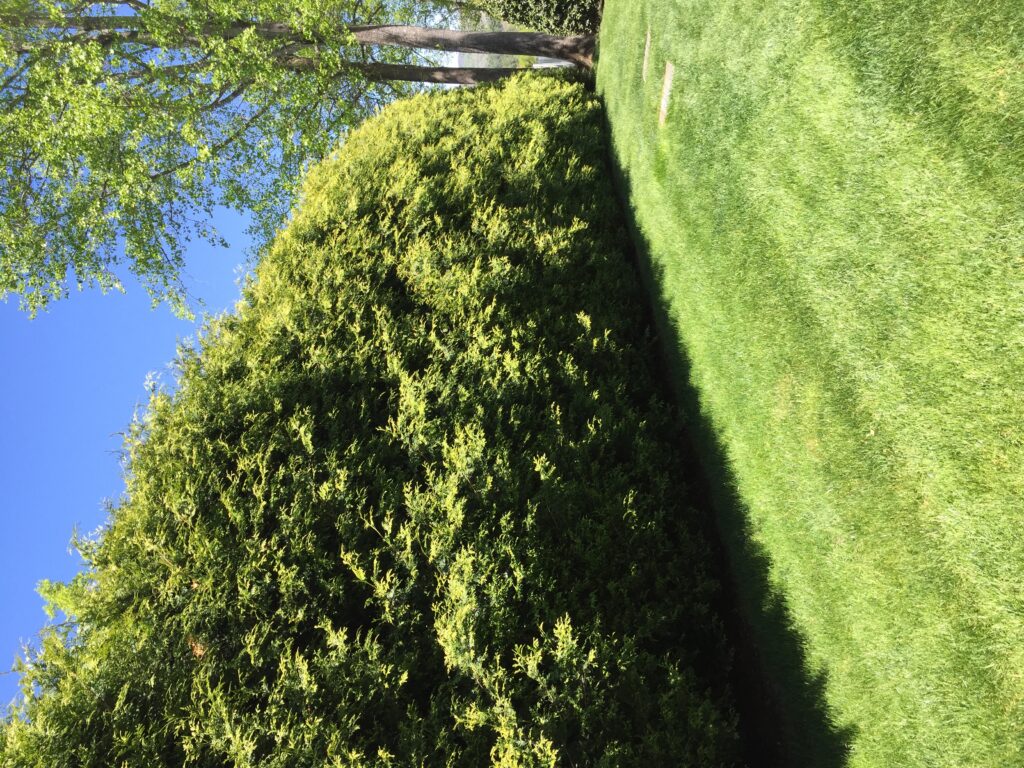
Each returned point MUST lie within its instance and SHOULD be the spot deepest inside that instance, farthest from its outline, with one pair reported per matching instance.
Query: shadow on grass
(784, 719)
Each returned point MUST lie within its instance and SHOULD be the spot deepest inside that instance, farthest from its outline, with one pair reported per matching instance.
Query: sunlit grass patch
(834, 216)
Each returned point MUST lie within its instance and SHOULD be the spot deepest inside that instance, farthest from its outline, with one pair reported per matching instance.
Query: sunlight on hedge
(411, 505)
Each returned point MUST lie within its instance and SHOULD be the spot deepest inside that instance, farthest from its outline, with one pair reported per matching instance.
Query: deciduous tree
(124, 124)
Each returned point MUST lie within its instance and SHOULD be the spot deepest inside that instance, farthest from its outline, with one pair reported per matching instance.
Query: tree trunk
(379, 71)
(578, 50)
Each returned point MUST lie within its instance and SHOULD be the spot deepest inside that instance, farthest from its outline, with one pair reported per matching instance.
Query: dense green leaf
(414, 504)
(560, 17)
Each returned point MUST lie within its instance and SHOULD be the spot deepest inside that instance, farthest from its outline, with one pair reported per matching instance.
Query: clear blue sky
(71, 380)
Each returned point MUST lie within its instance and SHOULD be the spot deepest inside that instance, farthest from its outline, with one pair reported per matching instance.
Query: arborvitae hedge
(415, 504)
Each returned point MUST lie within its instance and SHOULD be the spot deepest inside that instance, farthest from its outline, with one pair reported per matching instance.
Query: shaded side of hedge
(413, 504)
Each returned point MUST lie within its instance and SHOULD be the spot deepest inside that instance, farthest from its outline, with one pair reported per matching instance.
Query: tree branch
(214, 149)
(227, 98)
(579, 50)
(379, 71)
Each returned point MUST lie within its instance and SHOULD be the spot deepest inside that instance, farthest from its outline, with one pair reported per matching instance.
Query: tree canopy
(415, 504)
(123, 124)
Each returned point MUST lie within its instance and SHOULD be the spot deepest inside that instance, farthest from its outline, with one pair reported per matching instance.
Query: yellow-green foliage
(412, 504)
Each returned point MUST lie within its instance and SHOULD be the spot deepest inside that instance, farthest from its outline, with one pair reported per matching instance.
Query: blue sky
(71, 380)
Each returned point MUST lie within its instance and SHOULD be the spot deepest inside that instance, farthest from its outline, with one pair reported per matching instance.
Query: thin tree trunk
(452, 75)
(379, 71)
(578, 50)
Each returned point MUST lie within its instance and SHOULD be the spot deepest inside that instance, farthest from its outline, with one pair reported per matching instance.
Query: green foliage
(558, 17)
(835, 216)
(414, 503)
(125, 126)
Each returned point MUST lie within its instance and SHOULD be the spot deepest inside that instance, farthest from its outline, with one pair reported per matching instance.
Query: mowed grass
(834, 216)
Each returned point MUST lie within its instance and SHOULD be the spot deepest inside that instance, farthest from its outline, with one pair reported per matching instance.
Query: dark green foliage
(559, 17)
(413, 504)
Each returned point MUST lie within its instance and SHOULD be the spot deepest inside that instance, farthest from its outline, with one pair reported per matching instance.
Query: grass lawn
(834, 216)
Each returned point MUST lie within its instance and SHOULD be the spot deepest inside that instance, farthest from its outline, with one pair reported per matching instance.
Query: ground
(829, 199)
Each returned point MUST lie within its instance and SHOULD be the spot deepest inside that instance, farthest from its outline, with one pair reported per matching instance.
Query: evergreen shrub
(415, 503)
(558, 17)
